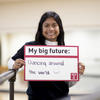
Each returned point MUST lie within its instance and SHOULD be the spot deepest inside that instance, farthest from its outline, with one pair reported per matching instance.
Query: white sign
(51, 63)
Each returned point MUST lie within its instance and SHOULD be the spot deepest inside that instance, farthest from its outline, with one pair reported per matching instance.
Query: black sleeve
(19, 54)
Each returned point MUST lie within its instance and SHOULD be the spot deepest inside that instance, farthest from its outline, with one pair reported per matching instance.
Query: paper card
(51, 63)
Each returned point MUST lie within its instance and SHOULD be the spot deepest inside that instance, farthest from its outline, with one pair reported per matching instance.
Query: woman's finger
(18, 63)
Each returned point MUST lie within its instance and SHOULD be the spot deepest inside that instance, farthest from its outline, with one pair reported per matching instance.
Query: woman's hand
(81, 68)
(18, 63)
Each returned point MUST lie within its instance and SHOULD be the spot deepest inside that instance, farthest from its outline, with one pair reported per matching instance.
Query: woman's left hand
(81, 68)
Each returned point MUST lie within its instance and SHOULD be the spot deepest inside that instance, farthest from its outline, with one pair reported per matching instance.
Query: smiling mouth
(50, 34)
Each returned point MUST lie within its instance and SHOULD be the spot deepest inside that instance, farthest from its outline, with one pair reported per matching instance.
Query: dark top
(43, 89)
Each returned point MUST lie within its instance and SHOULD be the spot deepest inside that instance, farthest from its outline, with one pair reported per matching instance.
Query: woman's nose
(51, 28)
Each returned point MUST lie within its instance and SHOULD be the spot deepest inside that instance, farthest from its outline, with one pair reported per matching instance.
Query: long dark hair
(40, 38)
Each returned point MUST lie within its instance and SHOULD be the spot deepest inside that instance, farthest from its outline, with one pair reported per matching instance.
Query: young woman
(50, 32)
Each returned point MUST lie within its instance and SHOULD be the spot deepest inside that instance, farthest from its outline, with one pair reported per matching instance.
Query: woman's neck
(47, 42)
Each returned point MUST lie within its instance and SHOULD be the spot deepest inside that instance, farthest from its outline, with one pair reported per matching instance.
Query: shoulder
(32, 43)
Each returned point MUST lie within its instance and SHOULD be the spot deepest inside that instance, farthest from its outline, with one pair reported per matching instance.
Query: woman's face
(50, 29)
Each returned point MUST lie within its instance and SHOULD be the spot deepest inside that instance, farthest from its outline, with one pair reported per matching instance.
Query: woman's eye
(54, 25)
(46, 25)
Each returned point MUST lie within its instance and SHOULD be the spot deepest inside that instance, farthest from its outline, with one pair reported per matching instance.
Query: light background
(81, 20)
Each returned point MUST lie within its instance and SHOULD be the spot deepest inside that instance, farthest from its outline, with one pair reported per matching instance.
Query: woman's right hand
(18, 63)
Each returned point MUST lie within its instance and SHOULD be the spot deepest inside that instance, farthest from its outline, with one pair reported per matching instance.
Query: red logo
(73, 76)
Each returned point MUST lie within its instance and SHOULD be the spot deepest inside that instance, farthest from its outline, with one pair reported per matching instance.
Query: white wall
(11, 43)
(24, 16)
